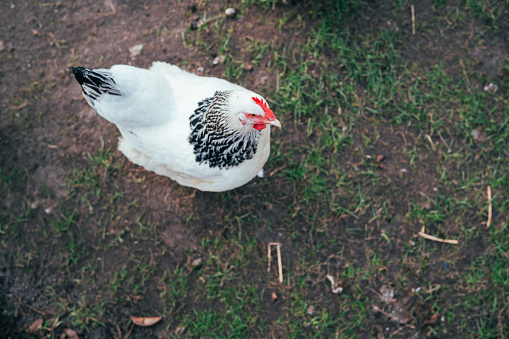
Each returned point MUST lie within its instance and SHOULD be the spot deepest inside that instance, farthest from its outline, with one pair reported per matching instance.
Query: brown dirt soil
(47, 130)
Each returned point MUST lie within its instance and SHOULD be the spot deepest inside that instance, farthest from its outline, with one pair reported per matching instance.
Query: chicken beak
(275, 122)
(271, 119)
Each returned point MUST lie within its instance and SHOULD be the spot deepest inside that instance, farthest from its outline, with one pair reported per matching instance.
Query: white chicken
(202, 132)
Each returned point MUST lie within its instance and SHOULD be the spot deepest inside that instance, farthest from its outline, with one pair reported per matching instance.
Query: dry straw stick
(490, 208)
(413, 19)
(112, 6)
(279, 262)
(430, 237)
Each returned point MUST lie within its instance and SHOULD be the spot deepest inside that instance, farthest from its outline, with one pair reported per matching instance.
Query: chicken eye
(253, 115)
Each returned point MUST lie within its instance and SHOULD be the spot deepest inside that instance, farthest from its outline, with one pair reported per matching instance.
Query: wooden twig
(490, 208)
(34, 309)
(378, 309)
(112, 6)
(129, 333)
(430, 237)
(279, 260)
(277, 82)
(413, 19)
(464, 72)
(469, 38)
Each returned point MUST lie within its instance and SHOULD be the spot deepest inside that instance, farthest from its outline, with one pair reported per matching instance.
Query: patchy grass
(383, 132)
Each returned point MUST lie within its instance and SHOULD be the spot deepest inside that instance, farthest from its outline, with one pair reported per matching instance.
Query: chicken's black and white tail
(127, 96)
(95, 83)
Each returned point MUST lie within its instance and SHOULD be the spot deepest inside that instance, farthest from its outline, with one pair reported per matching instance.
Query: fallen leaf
(274, 296)
(310, 310)
(433, 319)
(35, 32)
(145, 321)
(379, 159)
(71, 334)
(35, 327)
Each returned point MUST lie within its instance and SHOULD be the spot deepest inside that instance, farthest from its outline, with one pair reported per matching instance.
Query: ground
(395, 121)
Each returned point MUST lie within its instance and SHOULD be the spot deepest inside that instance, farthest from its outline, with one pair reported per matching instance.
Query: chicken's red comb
(261, 103)
(269, 117)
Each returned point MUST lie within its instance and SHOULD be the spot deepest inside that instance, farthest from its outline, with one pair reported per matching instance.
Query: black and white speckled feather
(215, 143)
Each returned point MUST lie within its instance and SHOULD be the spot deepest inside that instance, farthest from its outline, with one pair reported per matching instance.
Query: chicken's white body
(153, 112)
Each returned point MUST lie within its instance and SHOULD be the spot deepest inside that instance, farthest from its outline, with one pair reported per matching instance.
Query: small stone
(219, 59)
(230, 12)
(135, 50)
(196, 263)
(491, 87)
(478, 134)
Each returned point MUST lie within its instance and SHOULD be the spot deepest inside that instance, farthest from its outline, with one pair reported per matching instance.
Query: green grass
(375, 144)
(374, 89)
